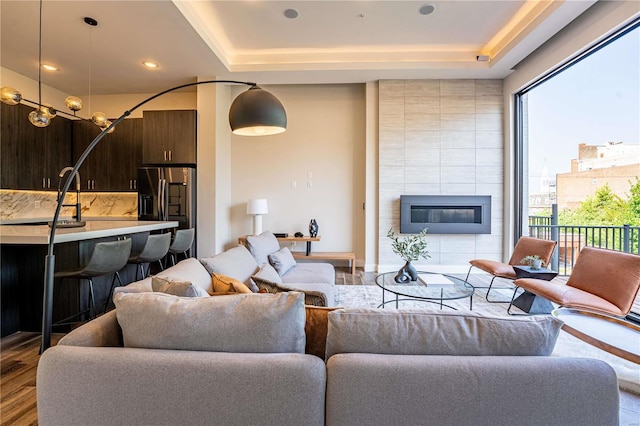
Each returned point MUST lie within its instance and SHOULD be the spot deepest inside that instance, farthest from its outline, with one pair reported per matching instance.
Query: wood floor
(19, 362)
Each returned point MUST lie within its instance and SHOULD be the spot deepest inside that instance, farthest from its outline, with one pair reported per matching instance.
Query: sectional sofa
(260, 265)
(160, 359)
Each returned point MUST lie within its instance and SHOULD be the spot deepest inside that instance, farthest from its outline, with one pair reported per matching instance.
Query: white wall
(325, 137)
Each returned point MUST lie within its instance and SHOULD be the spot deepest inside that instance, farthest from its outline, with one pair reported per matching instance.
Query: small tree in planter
(409, 248)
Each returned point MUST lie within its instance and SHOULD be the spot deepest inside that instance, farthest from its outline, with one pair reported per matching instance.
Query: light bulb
(107, 124)
(39, 119)
(99, 119)
(48, 110)
(73, 103)
(10, 96)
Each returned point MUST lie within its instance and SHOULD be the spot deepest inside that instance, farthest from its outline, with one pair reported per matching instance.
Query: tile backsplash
(16, 205)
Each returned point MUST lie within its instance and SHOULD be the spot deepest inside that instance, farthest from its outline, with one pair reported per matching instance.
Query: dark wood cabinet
(169, 137)
(114, 162)
(32, 157)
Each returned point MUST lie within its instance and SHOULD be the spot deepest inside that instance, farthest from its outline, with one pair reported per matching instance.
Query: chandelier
(42, 115)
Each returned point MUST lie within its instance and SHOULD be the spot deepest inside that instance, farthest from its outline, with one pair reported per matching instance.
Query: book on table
(435, 280)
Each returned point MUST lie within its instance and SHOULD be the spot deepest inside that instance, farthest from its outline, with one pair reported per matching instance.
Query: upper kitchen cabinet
(114, 162)
(169, 137)
(32, 157)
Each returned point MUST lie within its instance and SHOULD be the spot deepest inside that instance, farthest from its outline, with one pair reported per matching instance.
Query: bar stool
(181, 243)
(155, 249)
(107, 258)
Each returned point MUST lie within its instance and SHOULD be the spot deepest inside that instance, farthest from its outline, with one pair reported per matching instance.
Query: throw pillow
(224, 284)
(177, 287)
(261, 246)
(406, 332)
(236, 262)
(249, 323)
(267, 273)
(315, 328)
(282, 260)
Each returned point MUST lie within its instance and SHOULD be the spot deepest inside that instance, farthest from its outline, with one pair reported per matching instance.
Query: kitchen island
(23, 251)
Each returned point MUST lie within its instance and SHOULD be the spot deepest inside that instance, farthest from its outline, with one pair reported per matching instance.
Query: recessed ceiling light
(150, 64)
(291, 13)
(49, 67)
(427, 9)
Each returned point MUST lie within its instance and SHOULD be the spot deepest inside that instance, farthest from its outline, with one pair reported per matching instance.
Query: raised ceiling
(329, 41)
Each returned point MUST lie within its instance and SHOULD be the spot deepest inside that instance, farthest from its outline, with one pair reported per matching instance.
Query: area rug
(370, 296)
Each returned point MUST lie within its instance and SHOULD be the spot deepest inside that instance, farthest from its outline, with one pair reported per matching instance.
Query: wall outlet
(309, 175)
(294, 184)
(309, 184)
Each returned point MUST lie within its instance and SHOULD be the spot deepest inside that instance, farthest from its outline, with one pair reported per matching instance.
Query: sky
(593, 102)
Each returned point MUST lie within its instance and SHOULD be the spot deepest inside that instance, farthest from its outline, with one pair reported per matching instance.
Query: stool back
(183, 240)
(156, 247)
(108, 257)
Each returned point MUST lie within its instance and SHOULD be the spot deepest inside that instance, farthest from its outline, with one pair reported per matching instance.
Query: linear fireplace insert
(445, 214)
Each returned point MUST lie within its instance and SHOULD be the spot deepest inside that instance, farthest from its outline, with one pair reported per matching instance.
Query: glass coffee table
(430, 287)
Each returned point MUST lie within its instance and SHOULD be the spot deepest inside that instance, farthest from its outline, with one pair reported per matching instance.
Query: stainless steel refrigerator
(168, 193)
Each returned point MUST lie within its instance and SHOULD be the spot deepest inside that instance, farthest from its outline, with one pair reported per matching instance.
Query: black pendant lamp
(257, 112)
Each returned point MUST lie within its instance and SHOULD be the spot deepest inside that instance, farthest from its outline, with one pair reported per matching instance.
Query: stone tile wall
(440, 137)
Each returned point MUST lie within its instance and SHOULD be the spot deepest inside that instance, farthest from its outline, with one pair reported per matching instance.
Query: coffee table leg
(441, 297)
(397, 297)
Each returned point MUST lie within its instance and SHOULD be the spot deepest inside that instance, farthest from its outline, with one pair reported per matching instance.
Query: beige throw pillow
(177, 287)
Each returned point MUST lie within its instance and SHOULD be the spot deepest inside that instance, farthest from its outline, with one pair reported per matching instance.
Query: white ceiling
(329, 42)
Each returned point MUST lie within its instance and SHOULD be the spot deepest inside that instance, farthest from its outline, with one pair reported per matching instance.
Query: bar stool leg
(113, 281)
(92, 308)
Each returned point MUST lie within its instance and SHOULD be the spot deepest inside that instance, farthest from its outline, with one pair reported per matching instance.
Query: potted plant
(409, 248)
(533, 260)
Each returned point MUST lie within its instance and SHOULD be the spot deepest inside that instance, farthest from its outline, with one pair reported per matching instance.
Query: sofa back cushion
(251, 323)
(190, 270)
(261, 246)
(236, 262)
(406, 332)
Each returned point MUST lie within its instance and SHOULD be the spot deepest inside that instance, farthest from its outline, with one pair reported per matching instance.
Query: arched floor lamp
(255, 112)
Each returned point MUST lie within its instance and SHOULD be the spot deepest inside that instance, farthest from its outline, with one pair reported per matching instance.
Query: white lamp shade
(257, 206)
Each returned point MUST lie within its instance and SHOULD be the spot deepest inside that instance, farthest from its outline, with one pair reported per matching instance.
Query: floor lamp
(254, 112)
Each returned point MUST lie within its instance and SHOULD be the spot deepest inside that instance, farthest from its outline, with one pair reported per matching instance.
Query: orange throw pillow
(315, 329)
(224, 284)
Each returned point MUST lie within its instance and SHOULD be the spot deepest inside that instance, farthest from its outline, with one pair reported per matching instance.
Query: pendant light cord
(40, 60)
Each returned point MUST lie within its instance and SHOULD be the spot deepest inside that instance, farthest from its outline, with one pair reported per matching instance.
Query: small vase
(313, 228)
(536, 264)
(411, 271)
(402, 277)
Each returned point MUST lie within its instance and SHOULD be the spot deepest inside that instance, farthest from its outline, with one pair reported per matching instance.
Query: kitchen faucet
(78, 204)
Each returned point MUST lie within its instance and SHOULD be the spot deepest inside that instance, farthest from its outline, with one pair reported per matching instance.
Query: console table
(242, 240)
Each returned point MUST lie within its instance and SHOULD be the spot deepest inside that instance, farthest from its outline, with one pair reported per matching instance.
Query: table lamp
(257, 207)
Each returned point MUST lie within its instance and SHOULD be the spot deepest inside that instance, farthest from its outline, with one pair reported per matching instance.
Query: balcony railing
(571, 239)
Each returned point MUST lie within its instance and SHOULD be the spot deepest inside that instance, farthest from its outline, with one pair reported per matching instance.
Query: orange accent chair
(602, 280)
(524, 247)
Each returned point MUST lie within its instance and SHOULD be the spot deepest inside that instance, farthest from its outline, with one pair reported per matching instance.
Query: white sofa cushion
(236, 262)
(407, 332)
(261, 246)
(252, 323)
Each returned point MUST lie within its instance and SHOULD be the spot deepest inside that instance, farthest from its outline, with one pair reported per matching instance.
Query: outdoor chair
(602, 280)
(525, 246)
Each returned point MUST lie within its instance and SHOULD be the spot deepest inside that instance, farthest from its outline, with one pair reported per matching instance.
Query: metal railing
(572, 238)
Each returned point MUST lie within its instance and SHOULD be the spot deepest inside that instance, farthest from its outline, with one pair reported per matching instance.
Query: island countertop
(39, 234)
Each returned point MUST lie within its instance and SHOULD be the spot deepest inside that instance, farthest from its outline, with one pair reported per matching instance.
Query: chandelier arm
(47, 297)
